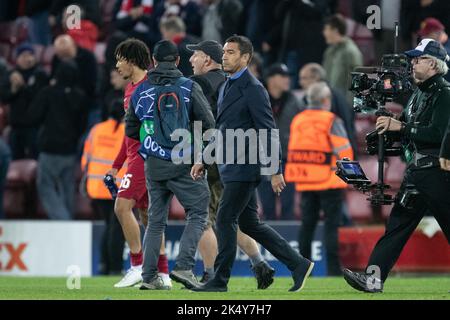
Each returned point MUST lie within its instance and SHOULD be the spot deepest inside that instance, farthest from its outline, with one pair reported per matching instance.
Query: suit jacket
(245, 106)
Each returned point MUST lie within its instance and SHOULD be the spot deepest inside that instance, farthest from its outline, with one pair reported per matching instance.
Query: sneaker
(264, 274)
(166, 280)
(363, 282)
(185, 277)
(132, 277)
(156, 284)
(300, 274)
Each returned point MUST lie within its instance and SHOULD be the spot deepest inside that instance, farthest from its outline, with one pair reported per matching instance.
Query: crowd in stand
(56, 82)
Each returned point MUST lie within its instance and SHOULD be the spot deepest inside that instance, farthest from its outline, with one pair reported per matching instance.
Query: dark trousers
(434, 196)
(23, 143)
(238, 206)
(112, 241)
(331, 202)
(268, 201)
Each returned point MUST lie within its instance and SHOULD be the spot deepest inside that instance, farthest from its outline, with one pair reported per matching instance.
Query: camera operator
(425, 187)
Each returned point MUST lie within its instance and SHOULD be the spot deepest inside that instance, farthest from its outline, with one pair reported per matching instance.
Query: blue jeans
(56, 184)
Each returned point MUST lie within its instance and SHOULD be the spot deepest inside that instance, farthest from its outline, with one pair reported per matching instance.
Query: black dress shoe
(264, 274)
(300, 274)
(363, 282)
(209, 288)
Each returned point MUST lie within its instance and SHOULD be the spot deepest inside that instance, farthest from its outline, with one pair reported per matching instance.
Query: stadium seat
(394, 172)
(363, 125)
(20, 196)
(176, 210)
(358, 207)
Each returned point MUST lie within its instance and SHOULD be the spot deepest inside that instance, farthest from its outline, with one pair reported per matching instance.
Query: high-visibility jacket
(100, 149)
(317, 139)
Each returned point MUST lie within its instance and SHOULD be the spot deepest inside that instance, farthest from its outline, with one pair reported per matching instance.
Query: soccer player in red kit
(133, 60)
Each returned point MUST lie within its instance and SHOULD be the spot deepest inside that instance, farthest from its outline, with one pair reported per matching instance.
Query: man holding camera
(425, 187)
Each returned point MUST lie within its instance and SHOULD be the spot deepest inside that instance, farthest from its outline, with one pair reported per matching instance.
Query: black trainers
(300, 274)
(264, 274)
(185, 277)
(363, 282)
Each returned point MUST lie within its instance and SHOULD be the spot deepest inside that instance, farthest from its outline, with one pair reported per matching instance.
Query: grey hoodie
(163, 74)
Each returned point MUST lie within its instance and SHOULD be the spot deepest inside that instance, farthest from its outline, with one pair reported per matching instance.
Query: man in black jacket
(19, 90)
(425, 187)
(207, 66)
(59, 110)
(243, 107)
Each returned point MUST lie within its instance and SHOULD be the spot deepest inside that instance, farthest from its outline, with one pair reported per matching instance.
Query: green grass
(99, 288)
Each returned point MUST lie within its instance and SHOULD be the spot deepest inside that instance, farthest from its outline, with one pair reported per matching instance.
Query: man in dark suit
(244, 106)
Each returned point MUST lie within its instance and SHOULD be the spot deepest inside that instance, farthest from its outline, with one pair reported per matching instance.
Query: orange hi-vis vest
(100, 149)
(317, 139)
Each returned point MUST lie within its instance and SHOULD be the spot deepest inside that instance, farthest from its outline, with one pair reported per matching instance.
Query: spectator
(174, 29)
(221, 19)
(341, 56)
(67, 50)
(318, 134)
(293, 47)
(137, 20)
(433, 29)
(19, 89)
(100, 149)
(285, 107)
(118, 84)
(37, 11)
(312, 73)
(5, 159)
(59, 108)
(413, 12)
(189, 11)
(256, 66)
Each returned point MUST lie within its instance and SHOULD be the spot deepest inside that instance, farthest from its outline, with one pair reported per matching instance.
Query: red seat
(363, 125)
(20, 196)
(358, 207)
(176, 210)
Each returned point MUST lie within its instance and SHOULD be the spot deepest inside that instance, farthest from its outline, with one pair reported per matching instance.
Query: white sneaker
(132, 277)
(166, 280)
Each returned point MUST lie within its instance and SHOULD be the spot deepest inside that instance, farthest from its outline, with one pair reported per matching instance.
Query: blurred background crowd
(57, 82)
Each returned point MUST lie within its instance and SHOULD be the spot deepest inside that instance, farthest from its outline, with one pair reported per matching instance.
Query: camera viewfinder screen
(353, 169)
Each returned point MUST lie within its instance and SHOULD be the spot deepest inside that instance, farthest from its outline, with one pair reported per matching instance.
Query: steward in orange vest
(100, 150)
(318, 138)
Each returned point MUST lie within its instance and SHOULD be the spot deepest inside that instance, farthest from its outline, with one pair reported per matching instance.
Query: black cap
(430, 47)
(165, 51)
(209, 47)
(277, 68)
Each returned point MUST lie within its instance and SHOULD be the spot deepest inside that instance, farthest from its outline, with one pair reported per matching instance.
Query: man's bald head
(310, 74)
(65, 47)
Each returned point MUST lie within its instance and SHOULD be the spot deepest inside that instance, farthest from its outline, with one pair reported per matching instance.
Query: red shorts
(133, 184)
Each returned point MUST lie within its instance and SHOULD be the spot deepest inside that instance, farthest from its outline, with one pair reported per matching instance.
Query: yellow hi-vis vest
(314, 146)
(100, 150)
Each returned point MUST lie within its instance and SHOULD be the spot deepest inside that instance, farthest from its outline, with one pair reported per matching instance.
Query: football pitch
(240, 288)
